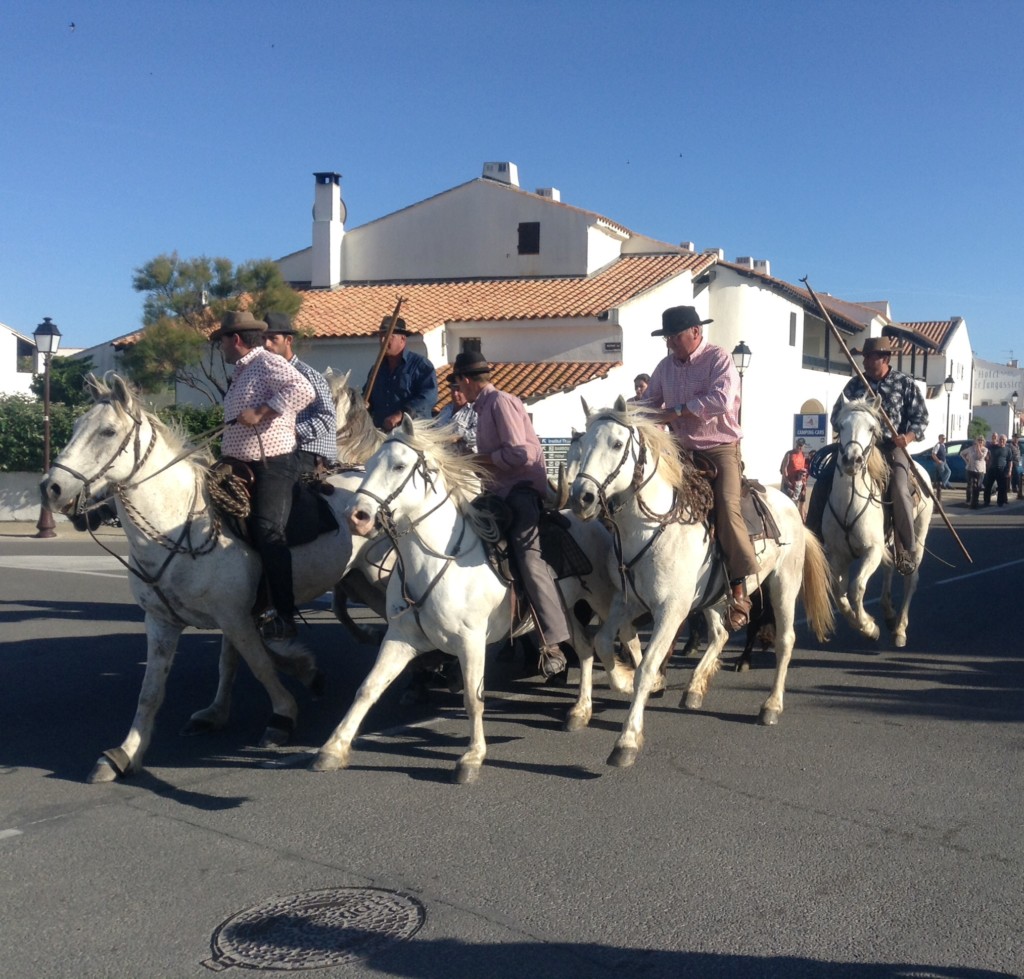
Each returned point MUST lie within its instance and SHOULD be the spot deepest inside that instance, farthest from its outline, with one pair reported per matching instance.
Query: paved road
(877, 832)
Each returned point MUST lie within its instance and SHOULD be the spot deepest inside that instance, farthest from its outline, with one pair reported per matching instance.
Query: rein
(847, 521)
(386, 518)
(610, 508)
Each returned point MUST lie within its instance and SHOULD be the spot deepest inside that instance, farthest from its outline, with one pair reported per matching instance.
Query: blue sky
(875, 147)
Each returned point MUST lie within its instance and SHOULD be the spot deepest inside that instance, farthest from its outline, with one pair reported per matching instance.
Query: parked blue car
(956, 465)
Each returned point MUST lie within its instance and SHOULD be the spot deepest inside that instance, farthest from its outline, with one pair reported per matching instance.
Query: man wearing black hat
(265, 395)
(406, 382)
(698, 389)
(904, 403)
(507, 443)
(316, 426)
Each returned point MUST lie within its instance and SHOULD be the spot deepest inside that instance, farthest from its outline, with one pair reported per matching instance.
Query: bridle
(609, 507)
(389, 526)
(850, 518)
(134, 433)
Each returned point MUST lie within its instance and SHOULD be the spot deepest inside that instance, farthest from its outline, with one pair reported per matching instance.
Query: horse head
(414, 466)
(859, 430)
(105, 448)
(603, 451)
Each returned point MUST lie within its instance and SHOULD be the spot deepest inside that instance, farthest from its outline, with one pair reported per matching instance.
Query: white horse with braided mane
(631, 473)
(853, 524)
(443, 594)
(187, 567)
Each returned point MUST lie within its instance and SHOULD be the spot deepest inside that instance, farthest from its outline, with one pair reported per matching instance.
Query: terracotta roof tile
(937, 331)
(531, 382)
(356, 310)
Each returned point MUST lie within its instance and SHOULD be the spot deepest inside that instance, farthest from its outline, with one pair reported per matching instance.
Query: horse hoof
(574, 723)
(769, 717)
(899, 641)
(103, 771)
(198, 725)
(466, 773)
(693, 701)
(622, 757)
(742, 665)
(275, 737)
(327, 762)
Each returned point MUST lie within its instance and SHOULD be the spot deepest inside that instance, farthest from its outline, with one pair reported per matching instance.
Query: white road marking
(7, 833)
(102, 566)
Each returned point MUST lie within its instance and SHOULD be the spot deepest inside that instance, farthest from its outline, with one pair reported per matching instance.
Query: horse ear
(586, 407)
(407, 426)
(120, 390)
(563, 487)
(92, 386)
(346, 376)
(620, 403)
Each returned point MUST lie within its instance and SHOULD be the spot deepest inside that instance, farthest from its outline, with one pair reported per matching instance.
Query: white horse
(853, 524)
(187, 568)
(631, 473)
(443, 594)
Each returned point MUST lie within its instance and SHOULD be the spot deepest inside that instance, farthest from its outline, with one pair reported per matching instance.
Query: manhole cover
(316, 929)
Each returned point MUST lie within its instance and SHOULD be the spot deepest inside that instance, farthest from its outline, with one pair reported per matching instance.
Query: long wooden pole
(383, 350)
(925, 488)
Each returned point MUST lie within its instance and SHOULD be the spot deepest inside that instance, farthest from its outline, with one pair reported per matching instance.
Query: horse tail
(817, 588)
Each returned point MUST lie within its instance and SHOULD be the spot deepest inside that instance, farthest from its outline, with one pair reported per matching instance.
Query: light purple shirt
(505, 436)
(709, 386)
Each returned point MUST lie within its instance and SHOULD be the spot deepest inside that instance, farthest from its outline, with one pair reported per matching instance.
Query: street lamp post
(741, 358)
(947, 386)
(47, 338)
(1013, 401)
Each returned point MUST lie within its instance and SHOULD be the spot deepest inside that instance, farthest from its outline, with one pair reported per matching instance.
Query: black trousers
(272, 503)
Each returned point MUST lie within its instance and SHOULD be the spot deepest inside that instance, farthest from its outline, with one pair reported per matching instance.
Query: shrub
(22, 436)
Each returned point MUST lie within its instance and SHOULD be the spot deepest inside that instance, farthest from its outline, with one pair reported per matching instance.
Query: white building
(17, 361)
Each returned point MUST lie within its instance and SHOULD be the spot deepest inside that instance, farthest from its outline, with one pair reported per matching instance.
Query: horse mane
(460, 472)
(675, 467)
(357, 437)
(874, 461)
(128, 404)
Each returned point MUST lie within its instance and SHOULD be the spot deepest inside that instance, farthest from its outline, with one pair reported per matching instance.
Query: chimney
(690, 246)
(503, 173)
(551, 193)
(328, 230)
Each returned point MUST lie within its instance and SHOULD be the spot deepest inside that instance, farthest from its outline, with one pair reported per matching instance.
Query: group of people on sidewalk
(997, 464)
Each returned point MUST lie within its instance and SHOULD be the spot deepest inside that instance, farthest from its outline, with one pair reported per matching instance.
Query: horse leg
(783, 602)
(709, 663)
(631, 739)
(215, 717)
(578, 716)
(471, 659)
(242, 633)
(862, 621)
(161, 644)
(394, 656)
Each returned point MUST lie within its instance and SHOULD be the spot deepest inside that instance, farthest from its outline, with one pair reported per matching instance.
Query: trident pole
(923, 484)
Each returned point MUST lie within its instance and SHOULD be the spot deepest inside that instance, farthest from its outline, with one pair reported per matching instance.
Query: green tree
(185, 300)
(66, 385)
(978, 426)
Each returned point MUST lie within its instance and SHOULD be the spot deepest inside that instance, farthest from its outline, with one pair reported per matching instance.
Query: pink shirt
(263, 378)
(505, 436)
(709, 386)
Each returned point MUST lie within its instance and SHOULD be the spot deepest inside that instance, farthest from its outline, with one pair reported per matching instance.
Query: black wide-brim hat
(469, 363)
(675, 319)
(400, 328)
(280, 323)
(238, 322)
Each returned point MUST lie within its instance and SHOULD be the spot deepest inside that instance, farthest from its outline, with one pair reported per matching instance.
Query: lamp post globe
(741, 355)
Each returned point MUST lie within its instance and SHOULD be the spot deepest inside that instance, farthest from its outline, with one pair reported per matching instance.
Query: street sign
(810, 428)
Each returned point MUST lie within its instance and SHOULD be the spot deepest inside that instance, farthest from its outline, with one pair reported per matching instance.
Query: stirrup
(275, 626)
(737, 612)
(552, 661)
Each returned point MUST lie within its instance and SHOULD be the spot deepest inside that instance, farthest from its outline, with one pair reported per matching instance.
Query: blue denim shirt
(411, 387)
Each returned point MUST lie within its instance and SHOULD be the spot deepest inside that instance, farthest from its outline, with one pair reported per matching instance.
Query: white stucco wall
(446, 237)
(12, 381)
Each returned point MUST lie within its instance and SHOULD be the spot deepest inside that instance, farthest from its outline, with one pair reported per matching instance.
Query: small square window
(529, 238)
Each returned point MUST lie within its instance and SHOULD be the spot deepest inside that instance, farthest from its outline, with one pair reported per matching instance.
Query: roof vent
(745, 262)
(719, 253)
(763, 266)
(504, 172)
(551, 193)
(688, 245)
